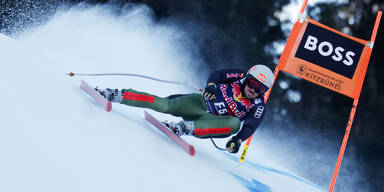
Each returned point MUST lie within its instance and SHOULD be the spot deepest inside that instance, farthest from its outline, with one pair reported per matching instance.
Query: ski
(107, 105)
(179, 141)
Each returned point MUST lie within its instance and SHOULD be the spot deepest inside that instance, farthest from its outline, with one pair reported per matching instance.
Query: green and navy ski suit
(218, 118)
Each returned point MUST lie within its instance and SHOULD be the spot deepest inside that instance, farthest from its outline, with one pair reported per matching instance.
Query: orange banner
(326, 57)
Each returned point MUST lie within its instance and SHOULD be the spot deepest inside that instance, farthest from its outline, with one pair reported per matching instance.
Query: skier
(231, 96)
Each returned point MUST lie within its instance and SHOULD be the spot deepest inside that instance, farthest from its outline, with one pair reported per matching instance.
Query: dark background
(243, 33)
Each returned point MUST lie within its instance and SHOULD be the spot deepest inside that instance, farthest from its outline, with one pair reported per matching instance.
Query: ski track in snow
(54, 137)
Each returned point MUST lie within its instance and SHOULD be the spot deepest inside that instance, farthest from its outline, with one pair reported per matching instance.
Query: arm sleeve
(226, 76)
(252, 122)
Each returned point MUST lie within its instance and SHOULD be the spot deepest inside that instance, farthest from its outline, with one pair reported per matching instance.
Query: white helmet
(262, 73)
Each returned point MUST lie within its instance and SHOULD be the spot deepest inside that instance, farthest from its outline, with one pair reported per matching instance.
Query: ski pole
(133, 75)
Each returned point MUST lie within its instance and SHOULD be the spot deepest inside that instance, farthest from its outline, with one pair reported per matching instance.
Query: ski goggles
(257, 85)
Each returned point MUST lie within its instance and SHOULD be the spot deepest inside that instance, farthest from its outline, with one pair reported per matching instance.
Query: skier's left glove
(233, 145)
(210, 91)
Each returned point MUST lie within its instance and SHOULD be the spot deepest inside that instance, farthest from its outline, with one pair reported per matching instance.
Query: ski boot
(181, 128)
(112, 95)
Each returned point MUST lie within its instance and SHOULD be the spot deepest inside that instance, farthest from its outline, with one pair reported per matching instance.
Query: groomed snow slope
(53, 137)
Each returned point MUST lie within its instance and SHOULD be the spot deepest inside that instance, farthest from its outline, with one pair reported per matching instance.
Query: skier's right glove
(233, 145)
(210, 91)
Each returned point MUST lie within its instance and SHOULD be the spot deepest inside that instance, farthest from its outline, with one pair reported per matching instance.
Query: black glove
(210, 91)
(233, 145)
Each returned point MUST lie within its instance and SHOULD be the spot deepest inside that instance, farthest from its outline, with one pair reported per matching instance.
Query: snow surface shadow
(256, 186)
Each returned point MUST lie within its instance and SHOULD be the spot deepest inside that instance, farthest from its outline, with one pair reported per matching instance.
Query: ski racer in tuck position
(231, 96)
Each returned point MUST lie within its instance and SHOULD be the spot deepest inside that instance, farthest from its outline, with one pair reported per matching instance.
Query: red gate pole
(344, 144)
(353, 110)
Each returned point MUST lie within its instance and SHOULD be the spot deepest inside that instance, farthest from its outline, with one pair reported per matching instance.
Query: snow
(53, 137)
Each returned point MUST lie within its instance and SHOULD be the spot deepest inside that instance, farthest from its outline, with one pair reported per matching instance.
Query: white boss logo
(325, 48)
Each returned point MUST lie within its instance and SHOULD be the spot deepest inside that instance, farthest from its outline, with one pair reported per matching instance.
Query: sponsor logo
(231, 103)
(223, 89)
(234, 75)
(329, 50)
(259, 112)
(238, 96)
(318, 77)
(325, 49)
(261, 77)
(301, 69)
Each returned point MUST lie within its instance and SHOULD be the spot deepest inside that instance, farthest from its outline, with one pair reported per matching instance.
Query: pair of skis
(107, 105)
